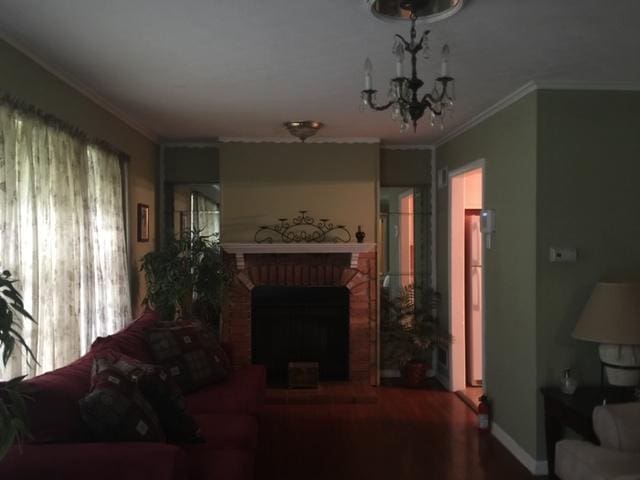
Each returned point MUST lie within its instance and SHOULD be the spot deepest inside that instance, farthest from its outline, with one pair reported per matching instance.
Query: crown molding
(341, 140)
(526, 89)
(82, 89)
(611, 86)
(510, 99)
(406, 147)
(207, 144)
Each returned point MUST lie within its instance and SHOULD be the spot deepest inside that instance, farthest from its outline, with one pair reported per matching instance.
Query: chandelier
(403, 98)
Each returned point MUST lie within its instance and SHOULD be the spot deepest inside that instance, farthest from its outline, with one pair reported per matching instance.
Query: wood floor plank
(407, 434)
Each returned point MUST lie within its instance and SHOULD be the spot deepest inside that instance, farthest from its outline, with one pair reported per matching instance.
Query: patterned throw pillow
(116, 409)
(190, 354)
(164, 395)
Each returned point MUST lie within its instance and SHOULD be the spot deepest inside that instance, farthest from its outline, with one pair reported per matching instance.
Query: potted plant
(409, 330)
(185, 278)
(13, 426)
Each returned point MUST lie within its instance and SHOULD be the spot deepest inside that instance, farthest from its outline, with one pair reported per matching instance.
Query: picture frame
(185, 217)
(143, 222)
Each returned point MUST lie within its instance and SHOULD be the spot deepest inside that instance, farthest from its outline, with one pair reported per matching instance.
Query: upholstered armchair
(618, 455)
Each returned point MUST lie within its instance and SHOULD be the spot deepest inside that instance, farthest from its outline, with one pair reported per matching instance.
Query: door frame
(460, 383)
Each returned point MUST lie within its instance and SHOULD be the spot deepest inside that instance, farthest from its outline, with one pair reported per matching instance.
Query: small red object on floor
(484, 414)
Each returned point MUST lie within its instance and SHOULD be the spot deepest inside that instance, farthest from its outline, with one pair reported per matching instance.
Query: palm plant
(13, 426)
(409, 327)
(185, 277)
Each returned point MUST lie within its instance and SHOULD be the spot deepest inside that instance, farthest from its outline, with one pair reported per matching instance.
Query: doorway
(466, 276)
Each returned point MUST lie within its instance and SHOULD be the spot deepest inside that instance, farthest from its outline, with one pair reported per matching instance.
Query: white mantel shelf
(242, 249)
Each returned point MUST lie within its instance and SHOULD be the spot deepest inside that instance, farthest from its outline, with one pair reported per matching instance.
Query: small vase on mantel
(568, 383)
(360, 235)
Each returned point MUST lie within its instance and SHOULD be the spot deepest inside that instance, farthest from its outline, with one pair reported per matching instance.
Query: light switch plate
(563, 255)
(443, 177)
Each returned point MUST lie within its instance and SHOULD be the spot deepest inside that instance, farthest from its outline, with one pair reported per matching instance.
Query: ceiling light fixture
(406, 105)
(304, 129)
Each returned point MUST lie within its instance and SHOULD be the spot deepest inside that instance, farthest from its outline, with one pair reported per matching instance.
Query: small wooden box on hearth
(303, 374)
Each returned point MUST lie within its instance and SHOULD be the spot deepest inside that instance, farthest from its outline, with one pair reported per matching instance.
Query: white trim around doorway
(475, 165)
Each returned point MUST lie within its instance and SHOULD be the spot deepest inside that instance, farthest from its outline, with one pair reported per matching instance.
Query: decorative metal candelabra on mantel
(303, 229)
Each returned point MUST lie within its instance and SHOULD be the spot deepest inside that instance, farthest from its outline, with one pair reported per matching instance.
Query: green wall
(588, 198)
(24, 79)
(562, 169)
(405, 168)
(191, 164)
(507, 142)
(261, 182)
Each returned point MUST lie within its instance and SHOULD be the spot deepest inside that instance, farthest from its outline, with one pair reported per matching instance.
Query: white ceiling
(195, 69)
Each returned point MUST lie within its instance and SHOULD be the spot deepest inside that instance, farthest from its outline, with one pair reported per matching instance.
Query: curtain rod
(62, 125)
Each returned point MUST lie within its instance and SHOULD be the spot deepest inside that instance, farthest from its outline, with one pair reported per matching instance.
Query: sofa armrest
(97, 461)
(618, 426)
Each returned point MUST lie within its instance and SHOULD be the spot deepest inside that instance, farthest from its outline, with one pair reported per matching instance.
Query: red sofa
(60, 449)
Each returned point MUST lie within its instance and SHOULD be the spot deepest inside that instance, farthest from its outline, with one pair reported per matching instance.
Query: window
(62, 234)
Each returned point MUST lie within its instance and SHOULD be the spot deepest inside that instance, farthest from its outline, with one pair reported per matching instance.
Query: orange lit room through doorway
(466, 274)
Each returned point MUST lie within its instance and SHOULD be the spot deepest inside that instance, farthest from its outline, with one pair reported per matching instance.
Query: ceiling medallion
(303, 129)
(406, 105)
(426, 10)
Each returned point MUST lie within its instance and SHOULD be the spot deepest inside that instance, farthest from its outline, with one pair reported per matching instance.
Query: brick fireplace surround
(355, 272)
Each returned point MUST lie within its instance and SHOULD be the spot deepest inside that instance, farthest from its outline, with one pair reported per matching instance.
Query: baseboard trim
(444, 381)
(536, 467)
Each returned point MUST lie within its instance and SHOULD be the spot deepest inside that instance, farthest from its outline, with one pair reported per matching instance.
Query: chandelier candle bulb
(445, 61)
(398, 51)
(368, 68)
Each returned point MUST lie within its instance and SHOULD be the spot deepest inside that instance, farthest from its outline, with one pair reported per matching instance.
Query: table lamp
(611, 317)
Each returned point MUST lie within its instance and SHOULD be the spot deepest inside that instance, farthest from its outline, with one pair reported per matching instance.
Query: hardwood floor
(407, 434)
(471, 396)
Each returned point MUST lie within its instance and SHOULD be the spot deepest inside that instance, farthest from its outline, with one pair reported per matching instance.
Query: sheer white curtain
(62, 234)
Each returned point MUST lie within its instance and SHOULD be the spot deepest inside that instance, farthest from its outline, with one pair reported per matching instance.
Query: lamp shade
(611, 315)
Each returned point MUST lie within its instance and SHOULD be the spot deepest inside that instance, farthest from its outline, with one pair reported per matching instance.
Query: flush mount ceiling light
(407, 106)
(303, 129)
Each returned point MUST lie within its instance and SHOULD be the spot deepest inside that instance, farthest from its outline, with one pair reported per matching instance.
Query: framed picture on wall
(184, 223)
(143, 222)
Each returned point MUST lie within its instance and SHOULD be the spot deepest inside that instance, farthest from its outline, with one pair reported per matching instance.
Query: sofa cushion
(243, 392)
(227, 464)
(618, 426)
(164, 395)
(190, 354)
(95, 461)
(116, 410)
(578, 460)
(227, 430)
(131, 340)
(58, 391)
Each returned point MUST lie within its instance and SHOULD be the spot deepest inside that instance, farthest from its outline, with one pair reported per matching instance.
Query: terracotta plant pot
(415, 372)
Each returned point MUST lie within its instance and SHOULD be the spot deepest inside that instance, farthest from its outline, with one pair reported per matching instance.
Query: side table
(575, 412)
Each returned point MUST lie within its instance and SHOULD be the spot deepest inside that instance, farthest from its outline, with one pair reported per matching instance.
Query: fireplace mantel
(242, 249)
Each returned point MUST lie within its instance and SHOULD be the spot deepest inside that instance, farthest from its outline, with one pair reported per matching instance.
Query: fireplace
(303, 303)
(300, 324)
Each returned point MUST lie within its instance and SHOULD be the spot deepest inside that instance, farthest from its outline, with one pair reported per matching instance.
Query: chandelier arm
(429, 102)
(380, 108)
(368, 94)
(406, 44)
